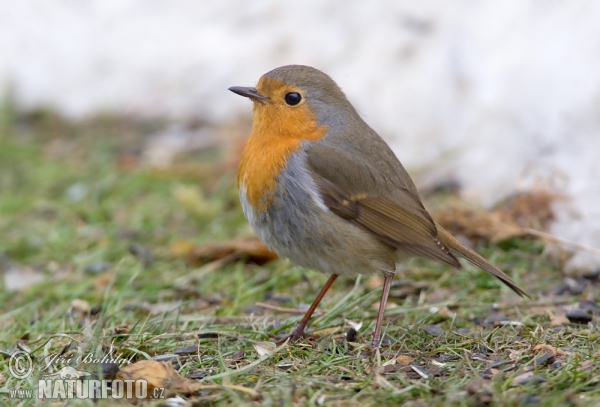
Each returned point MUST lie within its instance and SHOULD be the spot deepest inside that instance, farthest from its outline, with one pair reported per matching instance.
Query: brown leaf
(264, 348)
(102, 281)
(446, 313)
(79, 309)
(512, 219)
(182, 248)
(558, 320)
(404, 360)
(542, 347)
(251, 250)
(434, 330)
(161, 375)
(531, 209)
(158, 375)
(121, 329)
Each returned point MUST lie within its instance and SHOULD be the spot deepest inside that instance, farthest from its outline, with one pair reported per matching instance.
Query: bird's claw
(296, 335)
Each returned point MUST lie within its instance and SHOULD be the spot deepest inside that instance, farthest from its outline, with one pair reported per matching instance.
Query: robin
(322, 189)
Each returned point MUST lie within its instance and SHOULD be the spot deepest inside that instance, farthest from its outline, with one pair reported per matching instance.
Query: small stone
(591, 274)
(489, 373)
(351, 335)
(284, 366)
(446, 357)
(434, 330)
(544, 359)
(387, 341)
(98, 267)
(96, 309)
(575, 287)
(499, 363)
(278, 298)
(558, 290)
(577, 316)
(527, 378)
(588, 305)
(187, 350)
(238, 355)
(208, 335)
(556, 365)
(143, 253)
(165, 357)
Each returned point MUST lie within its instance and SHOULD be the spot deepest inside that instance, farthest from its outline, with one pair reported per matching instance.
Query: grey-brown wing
(357, 191)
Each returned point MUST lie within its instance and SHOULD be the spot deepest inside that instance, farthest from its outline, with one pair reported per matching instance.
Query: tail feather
(457, 248)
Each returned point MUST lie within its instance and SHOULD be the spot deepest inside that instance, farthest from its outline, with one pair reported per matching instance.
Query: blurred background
(494, 98)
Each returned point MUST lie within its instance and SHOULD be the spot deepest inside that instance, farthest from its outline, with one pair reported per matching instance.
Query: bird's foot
(296, 335)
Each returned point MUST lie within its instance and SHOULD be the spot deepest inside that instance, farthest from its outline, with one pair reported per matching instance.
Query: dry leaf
(264, 348)
(404, 360)
(251, 250)
(121, 329)
(549, 348)
(161, 375)
(511, 219)
(558, 320)
(446, 313)
(79, 309)
(102, 281)
(158, 375)
(182, 248)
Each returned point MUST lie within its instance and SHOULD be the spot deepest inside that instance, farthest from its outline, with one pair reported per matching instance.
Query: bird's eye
(293, 98)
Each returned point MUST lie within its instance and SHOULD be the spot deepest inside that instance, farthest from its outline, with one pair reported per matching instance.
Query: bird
(325, 191)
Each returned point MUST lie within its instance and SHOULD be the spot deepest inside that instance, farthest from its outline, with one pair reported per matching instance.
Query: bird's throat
(276, 135)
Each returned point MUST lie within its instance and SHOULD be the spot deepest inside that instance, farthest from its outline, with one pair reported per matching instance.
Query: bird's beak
(251, 93)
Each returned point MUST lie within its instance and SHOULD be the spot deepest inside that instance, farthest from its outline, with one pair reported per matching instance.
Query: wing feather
(405, 227)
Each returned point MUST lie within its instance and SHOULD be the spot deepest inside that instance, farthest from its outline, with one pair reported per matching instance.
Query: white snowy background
(498, 95)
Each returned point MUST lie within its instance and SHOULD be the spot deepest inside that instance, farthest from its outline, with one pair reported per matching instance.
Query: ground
(102, 254)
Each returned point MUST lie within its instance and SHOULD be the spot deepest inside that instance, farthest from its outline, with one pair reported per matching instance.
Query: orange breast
(277, 132)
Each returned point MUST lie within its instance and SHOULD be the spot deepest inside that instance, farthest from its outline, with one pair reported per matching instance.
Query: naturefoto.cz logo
(71, 383)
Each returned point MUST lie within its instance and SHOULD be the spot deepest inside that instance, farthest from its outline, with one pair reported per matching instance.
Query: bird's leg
(298, 332)
(387, 283)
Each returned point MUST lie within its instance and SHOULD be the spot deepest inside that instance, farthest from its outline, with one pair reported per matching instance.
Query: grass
(80, 211)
